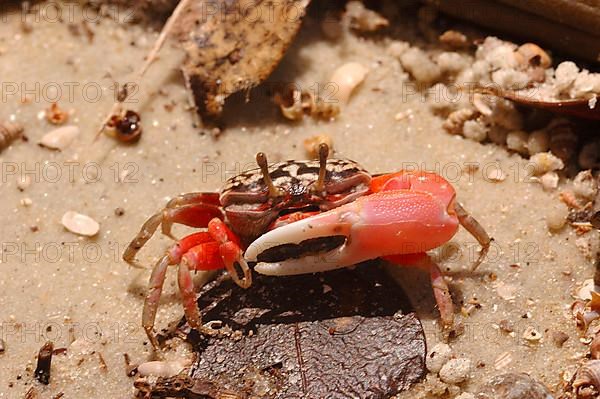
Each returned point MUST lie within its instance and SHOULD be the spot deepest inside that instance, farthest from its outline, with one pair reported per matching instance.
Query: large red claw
(381, 224)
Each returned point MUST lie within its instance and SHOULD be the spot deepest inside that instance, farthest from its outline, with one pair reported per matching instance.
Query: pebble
(162, 369)
(455, 371)
(538, 141)
(584, 185)
(514, 386)
(2, 346)
(549, 181)
(517, 141)
(61, 138)
(80, 224)
(557, 217)
(465, 395)
(438, 356)
(559, 338)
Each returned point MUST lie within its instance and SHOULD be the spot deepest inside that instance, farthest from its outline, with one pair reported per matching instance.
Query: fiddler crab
(299, 217)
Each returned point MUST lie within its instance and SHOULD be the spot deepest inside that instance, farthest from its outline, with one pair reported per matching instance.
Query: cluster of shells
(454, 78)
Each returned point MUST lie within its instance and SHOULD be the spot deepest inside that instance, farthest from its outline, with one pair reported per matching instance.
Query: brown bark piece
(332, 335)
(233, 46)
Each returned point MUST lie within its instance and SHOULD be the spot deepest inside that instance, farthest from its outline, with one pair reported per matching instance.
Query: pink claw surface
(399, 221)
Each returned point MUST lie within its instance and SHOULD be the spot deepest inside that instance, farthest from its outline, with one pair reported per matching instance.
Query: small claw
(380, 224)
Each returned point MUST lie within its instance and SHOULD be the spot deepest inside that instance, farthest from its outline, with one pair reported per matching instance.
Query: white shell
(61, 138)
(347, 78)
(80, 224)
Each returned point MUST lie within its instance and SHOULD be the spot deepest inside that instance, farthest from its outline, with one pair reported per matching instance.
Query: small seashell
(532, 335)
(347, 78)
(56, 116)
(585, 292)
(61, 138)
(80, 224)
(495, 175)
(534, 56)
(506, 291)
(362, 19)
(454, 39)
(8, 133)
(311, 144)
(162, 369)
(503, 361)
(588, 374)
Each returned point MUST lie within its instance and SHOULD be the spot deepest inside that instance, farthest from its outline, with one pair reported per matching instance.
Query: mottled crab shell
(250, 210)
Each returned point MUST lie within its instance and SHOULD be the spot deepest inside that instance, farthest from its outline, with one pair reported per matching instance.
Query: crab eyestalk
(319, 186)
(261, 160)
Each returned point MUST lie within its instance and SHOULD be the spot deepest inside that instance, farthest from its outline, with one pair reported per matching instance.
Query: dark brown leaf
(234, 45)
(332, 335)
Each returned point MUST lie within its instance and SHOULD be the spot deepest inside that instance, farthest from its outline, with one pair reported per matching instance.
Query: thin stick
(166, 30)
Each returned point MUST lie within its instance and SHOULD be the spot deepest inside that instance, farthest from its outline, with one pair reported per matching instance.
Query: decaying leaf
(337, 335)
(232, 46)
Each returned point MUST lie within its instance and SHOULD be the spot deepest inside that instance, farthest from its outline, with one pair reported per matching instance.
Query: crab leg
(192, 247)
(441, 291)
(194, 210)
(476, 230)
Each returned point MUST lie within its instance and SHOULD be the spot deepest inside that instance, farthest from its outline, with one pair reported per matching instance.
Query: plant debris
(345, 331)
(228, 52)
(9, 132)
(44, 362)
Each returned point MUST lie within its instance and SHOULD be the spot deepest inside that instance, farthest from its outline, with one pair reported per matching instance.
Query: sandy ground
(78, 293)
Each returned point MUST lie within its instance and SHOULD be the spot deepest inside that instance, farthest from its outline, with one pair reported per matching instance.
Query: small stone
(26, 202)
(456, 371)
(438, 356)
(162, 369)
(61, 138)
(465, 395)
(80, 224)
(119, 211)
(549, 181)
(2, 346)
(557, 217)
(23, 182)
(559, 338)
(514, 386)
